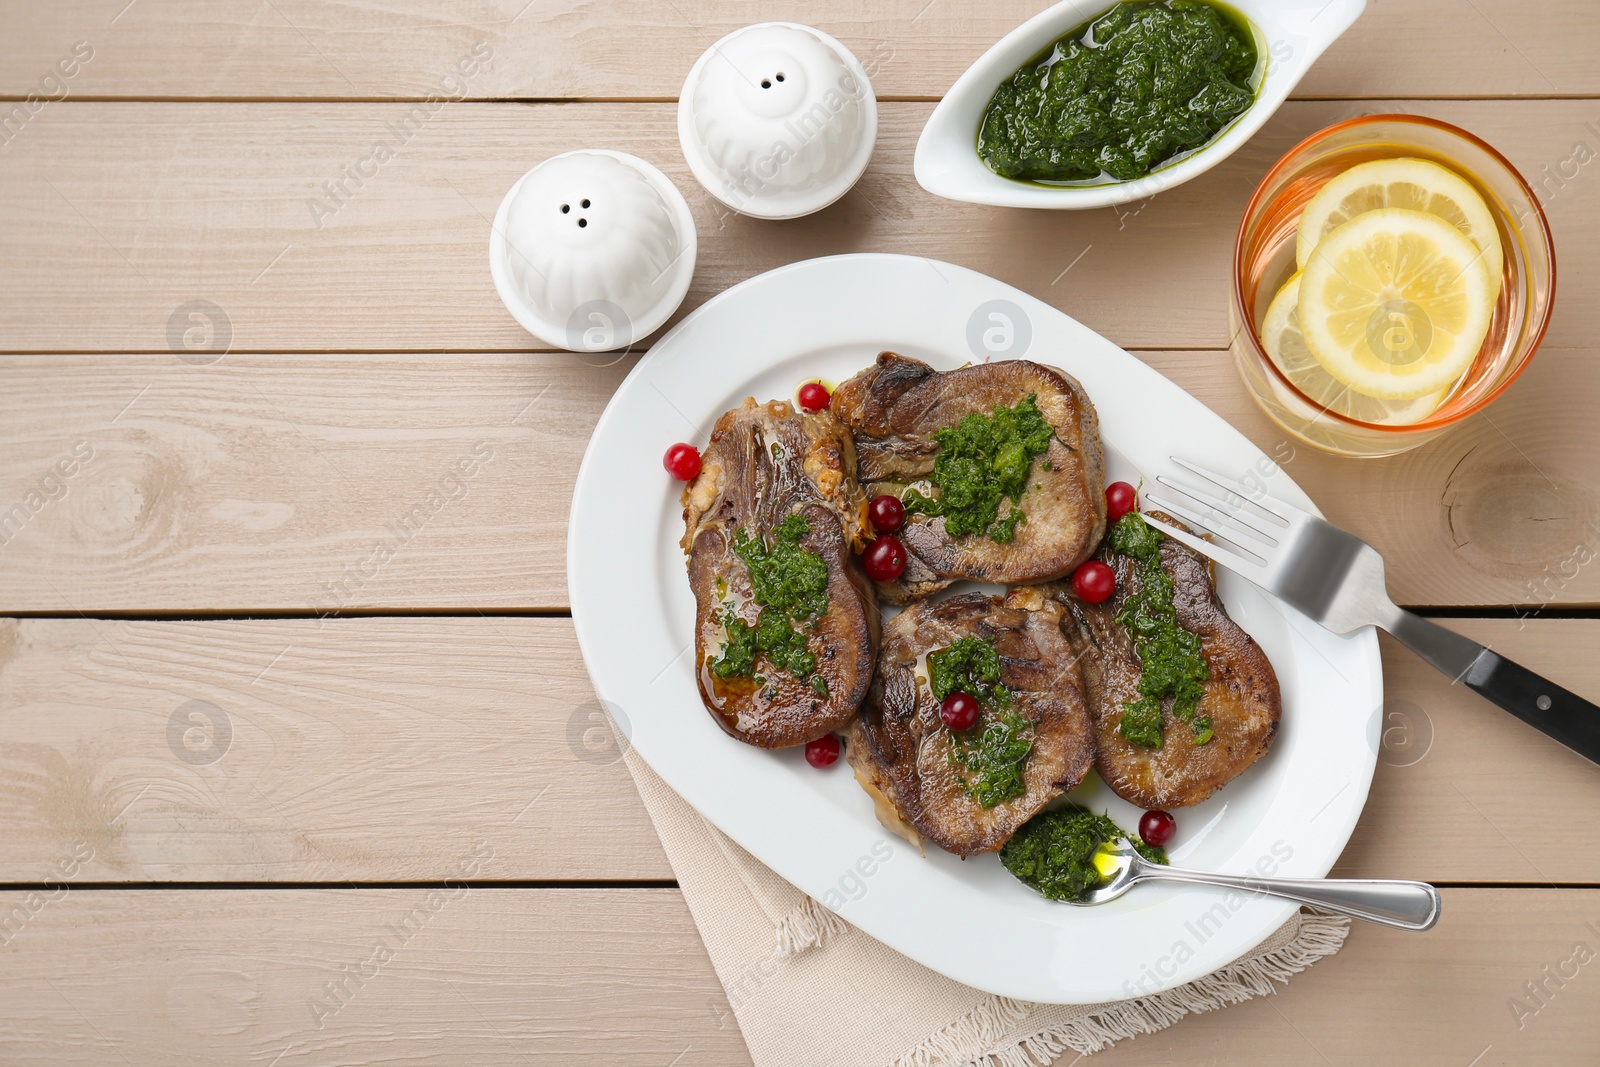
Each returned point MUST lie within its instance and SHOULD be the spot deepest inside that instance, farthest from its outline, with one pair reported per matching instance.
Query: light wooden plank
(1465, 792)
(618, 977)
(297, 483)
(354, 750)
(383, 749)
(631, 49)
(118, 215)
(253, 483)
(489, 976)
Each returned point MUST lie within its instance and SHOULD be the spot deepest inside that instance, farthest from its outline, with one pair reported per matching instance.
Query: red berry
(823, 751)
(682, 461)
(884, 559)
(1094, 582)
(814, 397)
(1156, 828)
(887, 513)
(1121, 498)
(959, 711)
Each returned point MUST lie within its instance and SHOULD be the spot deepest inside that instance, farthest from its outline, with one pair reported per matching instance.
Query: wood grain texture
(493, 977)
(1463, 790)
(275, 482)
(290, 482)
(227, 210)
(633, 49)
(488, 976)
(305, 750)
(385, 749)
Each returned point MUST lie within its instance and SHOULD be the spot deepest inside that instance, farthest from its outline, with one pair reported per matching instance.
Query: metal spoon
(1406, 905)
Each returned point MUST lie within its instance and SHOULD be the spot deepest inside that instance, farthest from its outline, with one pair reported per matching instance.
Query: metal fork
(1336, 579)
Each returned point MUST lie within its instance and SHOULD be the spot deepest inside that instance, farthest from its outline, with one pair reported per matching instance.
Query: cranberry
(824, 751)
(887, 513)
(884, 559)
(1121, 498)
(814, 397)
(1094, 582)
(682, 461)
(959, 711)
(1156, 828)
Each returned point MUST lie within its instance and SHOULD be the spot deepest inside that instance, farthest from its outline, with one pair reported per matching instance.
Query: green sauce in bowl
(1123, 94)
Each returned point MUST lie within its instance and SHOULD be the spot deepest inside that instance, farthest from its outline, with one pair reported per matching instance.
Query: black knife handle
(1538, 702)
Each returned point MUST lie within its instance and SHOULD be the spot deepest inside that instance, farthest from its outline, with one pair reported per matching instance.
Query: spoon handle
(1406, 905)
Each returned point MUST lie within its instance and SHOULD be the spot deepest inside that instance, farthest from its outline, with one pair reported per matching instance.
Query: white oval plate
(1290, 814)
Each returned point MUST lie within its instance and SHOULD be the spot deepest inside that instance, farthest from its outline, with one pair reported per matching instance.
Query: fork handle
(1404, 905)
(1534, 699)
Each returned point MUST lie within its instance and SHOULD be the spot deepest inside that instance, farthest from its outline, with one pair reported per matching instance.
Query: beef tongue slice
(893, 410)
(900, 747)
(766, 462)
(1241, 696)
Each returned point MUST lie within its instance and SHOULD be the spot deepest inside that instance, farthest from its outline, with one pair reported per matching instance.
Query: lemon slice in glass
(1394, 305)
(1280, 335)
(1413, 184)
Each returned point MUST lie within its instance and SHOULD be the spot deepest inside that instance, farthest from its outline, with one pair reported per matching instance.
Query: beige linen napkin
(788, 965)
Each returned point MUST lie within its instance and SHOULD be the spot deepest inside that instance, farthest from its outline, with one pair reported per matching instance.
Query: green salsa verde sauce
(791, 586)
(984, 461)
(1054, 851)
(990, 757)
(1170, 663)
(1123, 94)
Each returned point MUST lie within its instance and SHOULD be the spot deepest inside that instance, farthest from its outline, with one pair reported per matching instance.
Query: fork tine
(1255, 572)
(1215, 508)
(1205, 526)
(1280, 511)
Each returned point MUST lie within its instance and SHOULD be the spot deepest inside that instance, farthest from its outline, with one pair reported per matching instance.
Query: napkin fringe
(1319, 936)
(979, 1028)
(807, 925)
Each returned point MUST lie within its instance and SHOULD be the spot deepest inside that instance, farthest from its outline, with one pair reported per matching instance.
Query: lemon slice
(1394, 305)
(1413, 184)
(1280, 335)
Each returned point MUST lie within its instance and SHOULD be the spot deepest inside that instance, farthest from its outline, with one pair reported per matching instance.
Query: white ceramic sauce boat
(1290, 35)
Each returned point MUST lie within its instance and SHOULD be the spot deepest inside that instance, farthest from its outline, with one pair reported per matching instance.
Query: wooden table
(236, 746)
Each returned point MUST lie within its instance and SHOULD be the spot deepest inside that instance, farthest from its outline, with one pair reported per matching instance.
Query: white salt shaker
(777, 120)
(592, 250)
